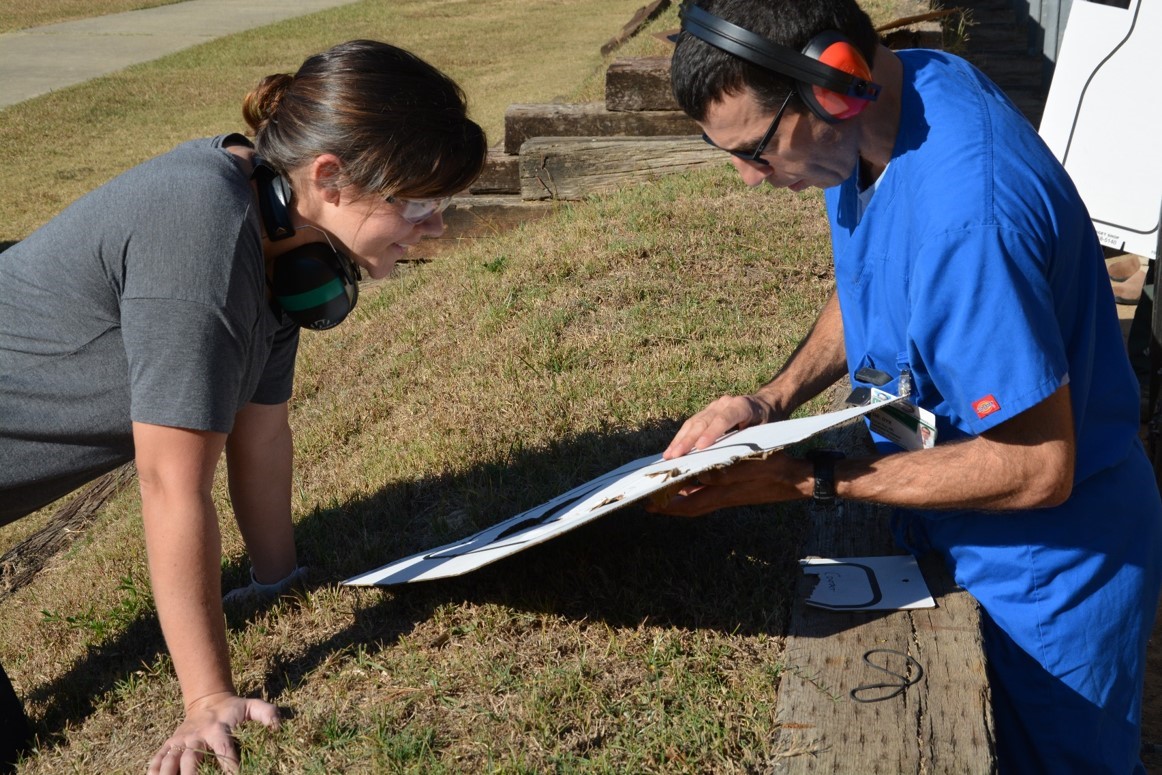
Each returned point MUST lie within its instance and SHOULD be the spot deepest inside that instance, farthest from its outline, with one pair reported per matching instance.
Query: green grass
(472, 391)
(468, 389)
(21, 14)
(56, 147)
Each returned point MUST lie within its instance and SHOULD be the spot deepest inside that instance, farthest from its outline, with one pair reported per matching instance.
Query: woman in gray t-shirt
(157, 318)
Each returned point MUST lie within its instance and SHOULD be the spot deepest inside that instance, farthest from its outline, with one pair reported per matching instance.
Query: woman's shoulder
(199, 176)
(209, 153)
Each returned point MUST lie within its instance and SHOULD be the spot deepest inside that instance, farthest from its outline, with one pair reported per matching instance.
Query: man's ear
(325, 177)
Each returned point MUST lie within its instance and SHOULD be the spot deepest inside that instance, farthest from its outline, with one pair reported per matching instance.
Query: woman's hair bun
(261, 103)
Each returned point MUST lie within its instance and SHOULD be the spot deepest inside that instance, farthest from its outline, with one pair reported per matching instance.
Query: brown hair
(399, 125)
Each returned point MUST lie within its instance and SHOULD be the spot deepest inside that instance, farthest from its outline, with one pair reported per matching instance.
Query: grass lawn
(468, 389)
(22, 14)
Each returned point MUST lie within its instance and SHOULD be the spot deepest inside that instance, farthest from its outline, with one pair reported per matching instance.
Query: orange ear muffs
(832, 77)
(836, 51)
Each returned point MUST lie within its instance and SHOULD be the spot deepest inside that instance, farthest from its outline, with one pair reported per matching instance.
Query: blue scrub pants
(1069, 595)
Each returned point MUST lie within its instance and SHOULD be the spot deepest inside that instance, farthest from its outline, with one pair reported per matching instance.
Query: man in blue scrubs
(965, 261)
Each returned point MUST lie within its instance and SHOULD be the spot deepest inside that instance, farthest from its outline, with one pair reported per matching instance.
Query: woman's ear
(324, 175)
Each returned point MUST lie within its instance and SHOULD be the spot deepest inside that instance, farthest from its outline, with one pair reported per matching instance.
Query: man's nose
(752, 174)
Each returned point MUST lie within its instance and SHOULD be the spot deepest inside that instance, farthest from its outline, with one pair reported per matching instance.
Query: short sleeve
(983, 322)
(277, 380)
(187, 363)
(195, 322)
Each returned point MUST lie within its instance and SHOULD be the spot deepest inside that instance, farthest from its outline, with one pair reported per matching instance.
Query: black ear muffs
(274, 196)
(831, 75)
(314, 284)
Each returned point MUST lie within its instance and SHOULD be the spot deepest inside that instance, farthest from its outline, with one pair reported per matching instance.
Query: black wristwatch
(824, 460)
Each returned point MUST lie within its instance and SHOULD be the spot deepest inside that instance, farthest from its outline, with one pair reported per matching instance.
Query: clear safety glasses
(419, 210)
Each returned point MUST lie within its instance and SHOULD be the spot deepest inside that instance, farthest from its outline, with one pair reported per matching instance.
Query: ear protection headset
(315, 284)
(831, 75)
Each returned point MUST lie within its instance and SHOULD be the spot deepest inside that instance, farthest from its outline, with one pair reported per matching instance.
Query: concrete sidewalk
(38, 60)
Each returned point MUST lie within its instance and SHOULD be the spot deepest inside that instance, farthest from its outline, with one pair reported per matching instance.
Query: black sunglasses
(756, 156)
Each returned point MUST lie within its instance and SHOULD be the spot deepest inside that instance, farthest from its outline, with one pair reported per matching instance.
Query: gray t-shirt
(145, 301)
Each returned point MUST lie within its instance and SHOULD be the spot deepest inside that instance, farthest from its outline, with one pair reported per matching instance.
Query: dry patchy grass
(471, 388)
(464, 391)
(22, 14)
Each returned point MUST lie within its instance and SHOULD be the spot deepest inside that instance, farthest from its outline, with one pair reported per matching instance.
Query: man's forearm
(817, 363)
(1024, 463)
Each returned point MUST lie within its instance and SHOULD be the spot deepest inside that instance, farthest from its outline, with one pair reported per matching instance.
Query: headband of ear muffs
(831, 75)
(314, 284)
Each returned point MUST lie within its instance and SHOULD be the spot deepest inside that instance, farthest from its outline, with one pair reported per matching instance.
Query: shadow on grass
(734, 571)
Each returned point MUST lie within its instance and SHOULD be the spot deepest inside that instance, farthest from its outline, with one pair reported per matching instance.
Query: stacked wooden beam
(998, 42)
(561, 152)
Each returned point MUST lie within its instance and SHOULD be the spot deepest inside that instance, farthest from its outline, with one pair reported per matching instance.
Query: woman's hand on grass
(208, 732)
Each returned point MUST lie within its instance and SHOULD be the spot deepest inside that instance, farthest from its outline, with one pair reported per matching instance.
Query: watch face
(824, 460)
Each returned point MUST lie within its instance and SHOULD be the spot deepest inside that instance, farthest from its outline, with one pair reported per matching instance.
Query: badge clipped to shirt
(903, 423)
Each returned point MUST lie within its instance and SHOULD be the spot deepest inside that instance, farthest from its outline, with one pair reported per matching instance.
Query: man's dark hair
(701, 74)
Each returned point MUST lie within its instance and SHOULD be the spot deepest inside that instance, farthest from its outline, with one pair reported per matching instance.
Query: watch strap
(824, 474)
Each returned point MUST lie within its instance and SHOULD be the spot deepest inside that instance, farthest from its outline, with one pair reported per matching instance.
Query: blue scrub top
(975, 265)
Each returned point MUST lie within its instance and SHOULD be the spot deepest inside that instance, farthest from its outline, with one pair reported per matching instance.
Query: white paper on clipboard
(617, 489)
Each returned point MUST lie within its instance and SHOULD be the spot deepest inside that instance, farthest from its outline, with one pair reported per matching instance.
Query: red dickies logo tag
(986, 406)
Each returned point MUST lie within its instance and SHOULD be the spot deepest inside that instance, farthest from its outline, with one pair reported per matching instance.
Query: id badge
(903, 423)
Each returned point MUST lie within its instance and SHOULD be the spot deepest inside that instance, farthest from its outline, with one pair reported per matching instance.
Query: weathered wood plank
(956, 732)
(591, 119)
(942, 724)
(474, 216)
(20, 564)
(500, 175)
(900, 39)
(575, 167)
(639, 83)
(641, 18)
